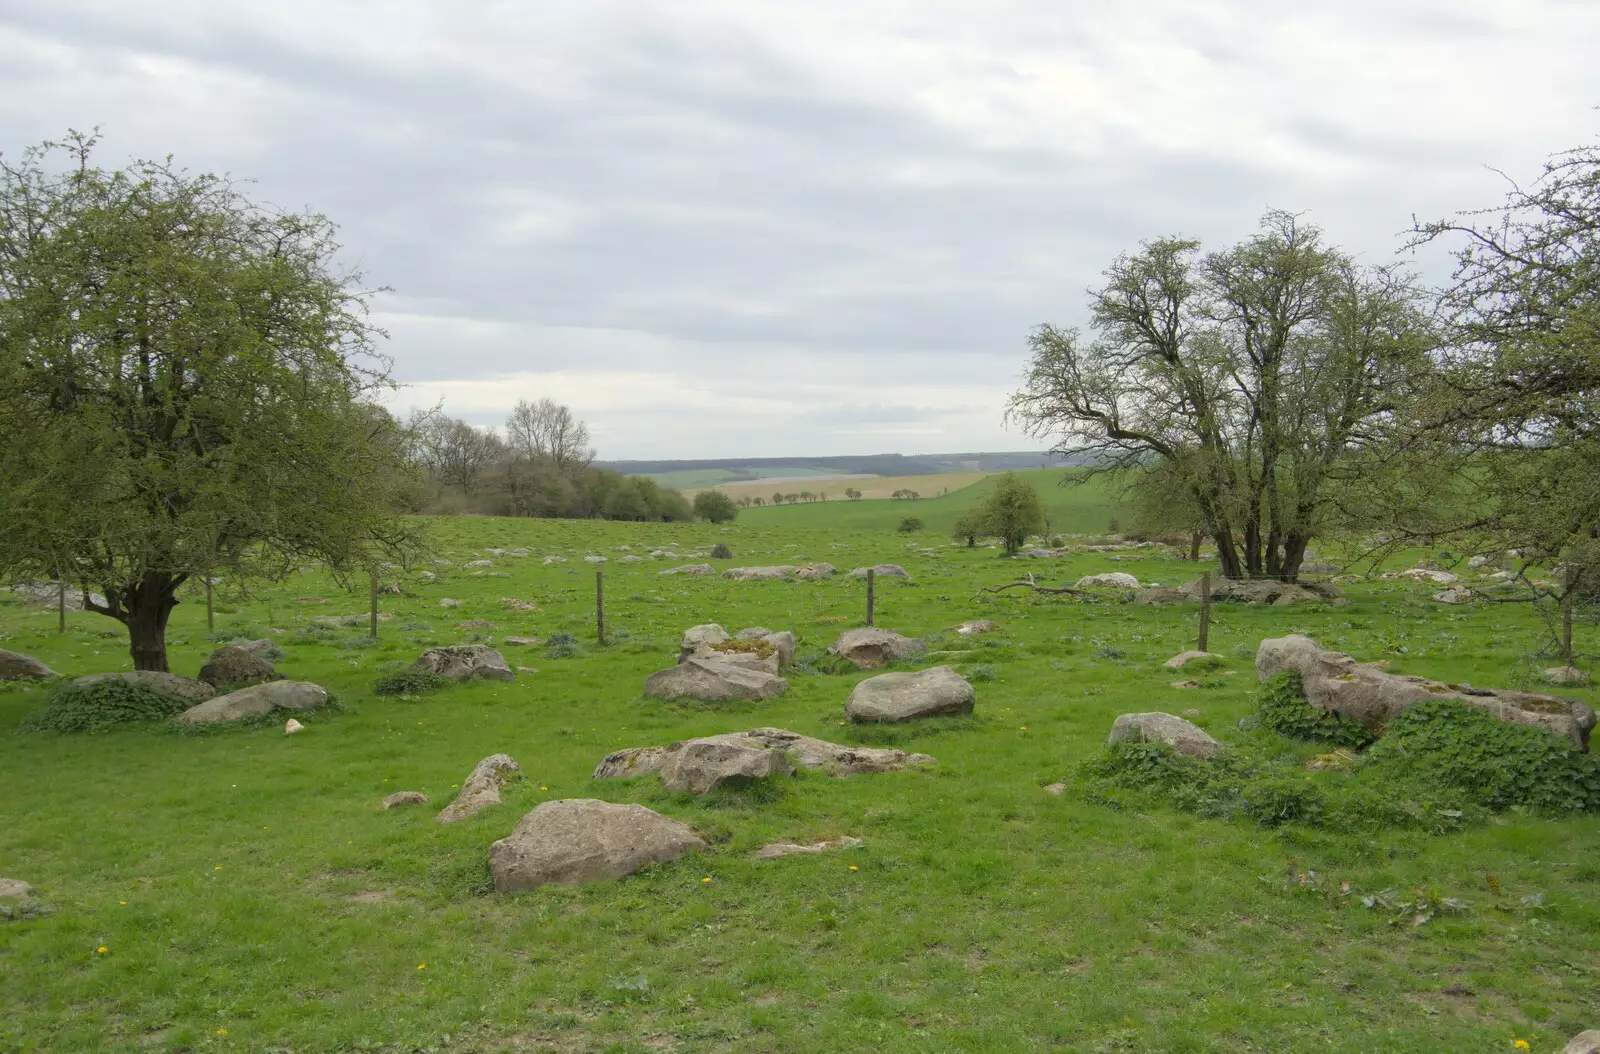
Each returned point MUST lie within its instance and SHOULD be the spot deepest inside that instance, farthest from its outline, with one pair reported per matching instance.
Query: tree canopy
(715, 506)
(186, 385)
(1010, 512)
(1242, 383)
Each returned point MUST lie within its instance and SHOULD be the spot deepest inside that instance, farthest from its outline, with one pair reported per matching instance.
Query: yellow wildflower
(422, 966)
(1521, 1044)
(703, 881)
(854, 868)
(101, 950)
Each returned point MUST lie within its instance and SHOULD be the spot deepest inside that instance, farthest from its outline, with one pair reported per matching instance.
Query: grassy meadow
(240, 890)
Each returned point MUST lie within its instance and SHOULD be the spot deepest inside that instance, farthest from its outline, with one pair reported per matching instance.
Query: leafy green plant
(1281, 706)
(721, 552)
(1277, 800)
(561, 646)
(71, 707)
(410, 682)
(1493, 763)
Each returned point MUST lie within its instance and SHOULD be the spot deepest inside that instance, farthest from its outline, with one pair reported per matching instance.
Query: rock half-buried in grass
(713, 681)
(16, 666)
(873, 649)
(463, 662)
(702, 765)
(1372, 698)
(833, 758)
(1182, 736)
(256, 700)
(584, 840)
(482, 787)
(893, 697)
(234, 665)
(164, 683)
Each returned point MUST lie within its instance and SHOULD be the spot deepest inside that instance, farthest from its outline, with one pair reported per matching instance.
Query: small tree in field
(715, 506)
(185, 390)
(969, 527)
(1011, 512)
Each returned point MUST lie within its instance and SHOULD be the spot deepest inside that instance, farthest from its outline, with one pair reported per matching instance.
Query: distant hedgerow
(1281, 706)
(70, 707)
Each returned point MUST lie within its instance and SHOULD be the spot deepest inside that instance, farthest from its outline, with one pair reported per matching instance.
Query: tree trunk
(1227, 555)
(1294, 554)
(1194, 547)
(1252, 549)
(148, 606)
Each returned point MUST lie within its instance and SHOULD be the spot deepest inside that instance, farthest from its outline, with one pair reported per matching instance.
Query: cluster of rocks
(1247, 591)
(716, 667)
(1372, 697)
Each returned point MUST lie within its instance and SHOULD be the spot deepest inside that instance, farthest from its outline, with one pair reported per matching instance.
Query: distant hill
(710, 472)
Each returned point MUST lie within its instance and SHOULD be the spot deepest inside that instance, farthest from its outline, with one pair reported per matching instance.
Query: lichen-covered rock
(897, 697)
(399, 798)
(14, 889)
(881, 571)
(233, 665)
(1583, 1043)
(1430, 574)
(713, 681)
(805, 751)
(1372, 698)
(777, 850)
(169, 684)
(757, 574)
(1109, 580)
(463, 662)
(782, 642)
(1565, 675)
(1183, 737)
(1454, 595)
(1182, 659)
(255, 701)
(16, 666)
(481, 789)
(975, 627)
(700, 765)
(870, 648)
(697, 637)
(584, 840)
(691, 569)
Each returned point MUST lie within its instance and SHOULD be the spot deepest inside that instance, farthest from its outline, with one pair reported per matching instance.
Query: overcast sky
(724, 228)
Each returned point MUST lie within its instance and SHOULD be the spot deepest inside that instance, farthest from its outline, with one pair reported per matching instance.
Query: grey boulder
(583, 840)
(481, 788)
(696, 637)
(1583, 1043)
(881, 571)
(162, 683)
(906, 696)
(1184, 738)
(782, 641)
(230, 664)
(255, 701)
(833, 758)
(14, 889)
(461, 662)
(16, 666)
(399, 798)
(701, 765)
(873, 649)
(713, 681)
(1372, 697)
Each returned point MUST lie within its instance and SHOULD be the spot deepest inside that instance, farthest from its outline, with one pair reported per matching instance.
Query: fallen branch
(1050, 590)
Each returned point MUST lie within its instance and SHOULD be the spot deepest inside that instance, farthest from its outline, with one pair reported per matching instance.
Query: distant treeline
(863, 464)
(542, 466)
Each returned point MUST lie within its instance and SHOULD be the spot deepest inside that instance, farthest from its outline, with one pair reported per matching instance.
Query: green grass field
(251, 895)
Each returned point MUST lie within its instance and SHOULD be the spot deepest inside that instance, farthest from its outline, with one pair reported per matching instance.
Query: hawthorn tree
(1247, 382)
(186, 389)
(715, 506)
(1010, 512)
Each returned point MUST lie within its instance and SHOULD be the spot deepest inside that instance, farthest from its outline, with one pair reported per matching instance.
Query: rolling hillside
(1084, 508)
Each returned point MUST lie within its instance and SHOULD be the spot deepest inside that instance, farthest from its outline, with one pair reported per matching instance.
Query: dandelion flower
(703, 881)
(854, 868)
(217, 868)
(124, 903)
(422, 966)
(1521, 1044)
(101, 950)
(544, 788)
(222, 1032)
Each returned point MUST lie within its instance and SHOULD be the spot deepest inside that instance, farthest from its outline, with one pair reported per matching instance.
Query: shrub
(715, 506)
(1277, 800)
(721, 552)
(909, 525)
(410, 682)
(70, 707)
(1494, 764)
(1281, 706)
(561, 646)
(981, 672)
(1057, 542)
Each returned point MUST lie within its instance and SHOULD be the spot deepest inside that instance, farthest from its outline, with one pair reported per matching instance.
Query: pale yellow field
(834, 486)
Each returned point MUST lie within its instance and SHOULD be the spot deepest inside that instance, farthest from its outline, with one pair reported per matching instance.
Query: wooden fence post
(600, 606)
(211, 617)
(1566, 617)
(61, 608)
(1205, 610)
(871, 593)
(372, 624)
